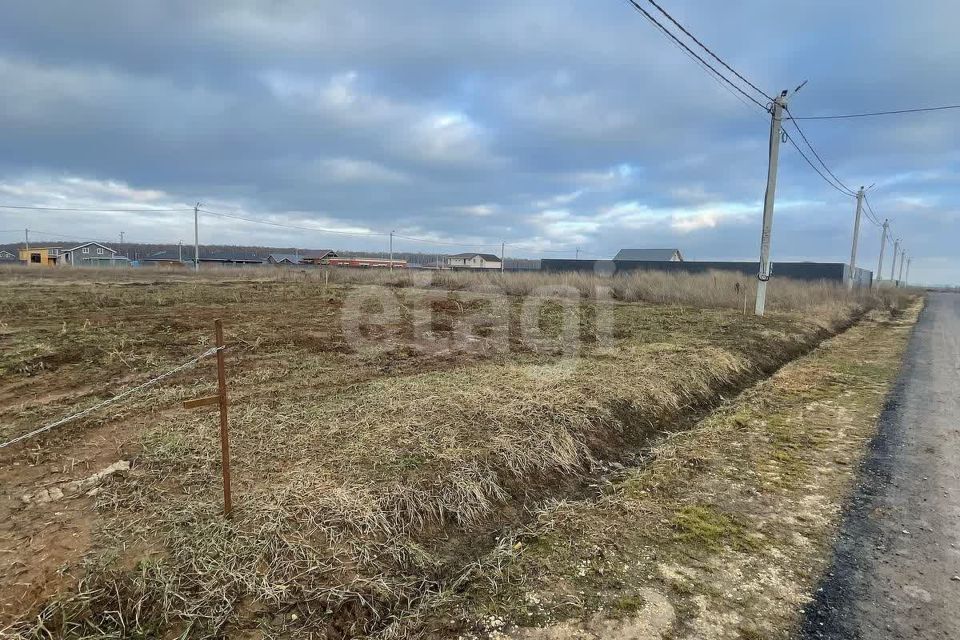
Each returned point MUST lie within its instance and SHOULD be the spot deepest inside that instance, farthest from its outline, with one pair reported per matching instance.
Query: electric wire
(870, 209)
(709, 51)
(355, 234)
(871, 214)
(812, 165)
(673, 37)
(90, 210)
(820, 158)
(871, 114)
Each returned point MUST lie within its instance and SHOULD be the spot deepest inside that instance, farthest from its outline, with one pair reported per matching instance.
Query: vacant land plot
(388, 436)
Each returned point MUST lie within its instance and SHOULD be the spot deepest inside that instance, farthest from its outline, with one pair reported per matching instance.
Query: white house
(91, 254)
(473, 261)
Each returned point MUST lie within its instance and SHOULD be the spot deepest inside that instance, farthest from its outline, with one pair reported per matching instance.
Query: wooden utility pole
(221, 400)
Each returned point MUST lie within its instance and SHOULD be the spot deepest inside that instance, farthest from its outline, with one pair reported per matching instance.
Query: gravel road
(896, 570)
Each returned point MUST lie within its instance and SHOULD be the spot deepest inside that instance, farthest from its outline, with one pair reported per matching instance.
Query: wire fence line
(117, 398)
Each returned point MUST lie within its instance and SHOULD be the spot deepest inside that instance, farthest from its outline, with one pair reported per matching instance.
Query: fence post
(221, 400)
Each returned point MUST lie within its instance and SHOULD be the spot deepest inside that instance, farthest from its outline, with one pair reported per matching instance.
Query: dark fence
(809, 271)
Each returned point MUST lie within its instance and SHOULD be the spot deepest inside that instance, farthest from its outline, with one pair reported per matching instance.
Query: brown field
(388, 430)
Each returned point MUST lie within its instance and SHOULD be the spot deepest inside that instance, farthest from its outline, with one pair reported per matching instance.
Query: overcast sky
(550, 124)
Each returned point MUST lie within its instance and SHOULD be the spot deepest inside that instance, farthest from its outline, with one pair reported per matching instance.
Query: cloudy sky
(548, 124)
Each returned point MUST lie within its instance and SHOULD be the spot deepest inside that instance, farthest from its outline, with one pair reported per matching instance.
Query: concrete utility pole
(776, 122)
(578, 254)
(180, 248)
(906, 278)
(893, 265)
(391, 251)
(503, 255)
(883, 246)
(903, 258)
(856, 239)
(196, 237)
(26, 237)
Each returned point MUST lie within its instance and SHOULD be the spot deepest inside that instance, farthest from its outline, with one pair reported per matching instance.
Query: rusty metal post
(224, 428)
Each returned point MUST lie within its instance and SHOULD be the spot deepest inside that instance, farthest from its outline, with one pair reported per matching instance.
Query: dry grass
(730, 522)
(719, 289)
(366, 485)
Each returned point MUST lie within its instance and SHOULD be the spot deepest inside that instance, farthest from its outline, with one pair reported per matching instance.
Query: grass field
(388, 430)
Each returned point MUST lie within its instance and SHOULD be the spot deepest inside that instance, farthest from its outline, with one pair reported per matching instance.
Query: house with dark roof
(321, 256)
(473, 261)
(648, 255)
(284, 258)
(6, 256)
(207, 256)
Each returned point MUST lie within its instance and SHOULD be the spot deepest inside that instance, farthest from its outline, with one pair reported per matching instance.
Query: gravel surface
(896, 570)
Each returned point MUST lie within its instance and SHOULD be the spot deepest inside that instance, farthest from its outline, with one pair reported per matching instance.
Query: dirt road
(896, 573)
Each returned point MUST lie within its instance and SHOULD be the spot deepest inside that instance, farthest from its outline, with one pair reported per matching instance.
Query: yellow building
(40, 256)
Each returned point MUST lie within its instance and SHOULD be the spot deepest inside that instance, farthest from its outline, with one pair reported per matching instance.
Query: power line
(871, 215)
(445, 243)
(813, 166)
(707, 49)
(670, 35)
(66, 237)
(878, 113)
(354, 234)
(832, 174)
(11, 206)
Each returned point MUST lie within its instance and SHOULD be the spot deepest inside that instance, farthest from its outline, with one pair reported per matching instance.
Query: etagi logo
(555, 321)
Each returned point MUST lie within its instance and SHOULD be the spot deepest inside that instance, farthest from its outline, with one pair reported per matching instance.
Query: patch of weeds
(626, 604)
(705, 527)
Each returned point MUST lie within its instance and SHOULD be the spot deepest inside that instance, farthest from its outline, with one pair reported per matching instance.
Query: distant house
(176, 257)
(6, 256)
(366, 263)
(92, 254)
(40, 256)
(322, 256)
(473, 261)
(169, 258)
(649, 255)
(284, 258)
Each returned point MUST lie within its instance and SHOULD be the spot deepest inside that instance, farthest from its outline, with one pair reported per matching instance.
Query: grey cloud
(471, 121)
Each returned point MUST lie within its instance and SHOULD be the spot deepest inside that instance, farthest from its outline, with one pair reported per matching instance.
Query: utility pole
(883, 245)
(776, 122)
(26, 237)
(906, 278)
(391, 251)
(903, 258)
(503, 255)
(893, 265)
(578, 254)
(196, 237)
(856, 239)
(180, 248)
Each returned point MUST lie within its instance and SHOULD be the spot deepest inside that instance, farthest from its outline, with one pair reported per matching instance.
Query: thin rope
(116, 398)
